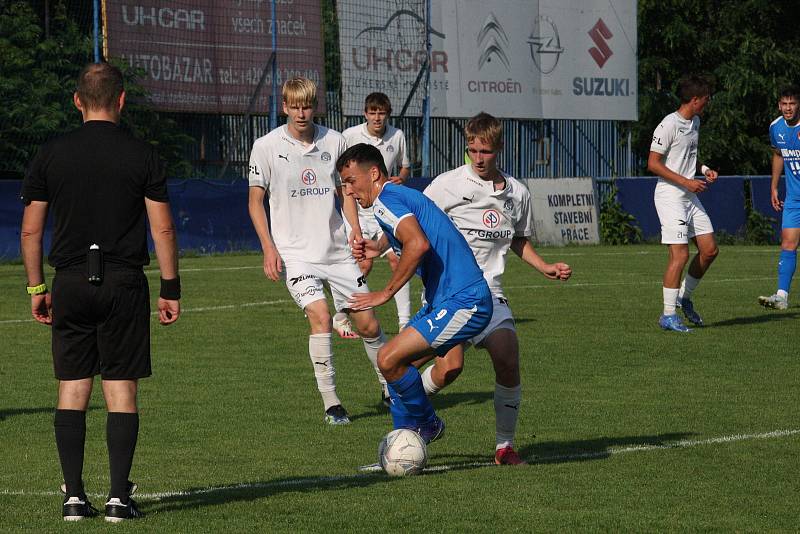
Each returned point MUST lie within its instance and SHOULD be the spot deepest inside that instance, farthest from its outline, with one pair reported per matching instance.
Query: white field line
(302, 482)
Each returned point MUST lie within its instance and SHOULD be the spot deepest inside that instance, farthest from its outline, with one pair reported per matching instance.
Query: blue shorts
(790, 218)
(456, 319)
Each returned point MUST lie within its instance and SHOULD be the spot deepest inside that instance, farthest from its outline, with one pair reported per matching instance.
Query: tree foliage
(38, 74)
(749, 47)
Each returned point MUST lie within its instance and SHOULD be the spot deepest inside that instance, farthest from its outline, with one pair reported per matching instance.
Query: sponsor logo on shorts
(433, 326)
(441, 314)
(296, 279)
(361, 280)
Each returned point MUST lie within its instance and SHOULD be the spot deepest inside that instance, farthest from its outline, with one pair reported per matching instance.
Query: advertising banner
(208, 56)
(552, 59)
(564, 210)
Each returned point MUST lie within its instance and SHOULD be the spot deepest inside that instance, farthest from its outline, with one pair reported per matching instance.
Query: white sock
(670, 298)
(427, 382)
(372, 345)
(403, 301)
(320, 350)
(688, 286)
(506, 411)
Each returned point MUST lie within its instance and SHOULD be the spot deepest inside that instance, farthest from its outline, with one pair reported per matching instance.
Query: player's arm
(777, 170)
(402, 176)
(34, 218)
(415, 246)
(273, 265)
(655, 164)
(554, 271)
(166, 244)
(350, 211)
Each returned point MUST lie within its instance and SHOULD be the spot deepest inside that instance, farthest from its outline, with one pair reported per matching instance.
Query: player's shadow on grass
(766, 317)
(557, 452)
(13, 412)
(198, 497)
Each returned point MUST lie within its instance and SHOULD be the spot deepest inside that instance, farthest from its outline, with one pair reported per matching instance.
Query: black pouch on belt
(94, 265)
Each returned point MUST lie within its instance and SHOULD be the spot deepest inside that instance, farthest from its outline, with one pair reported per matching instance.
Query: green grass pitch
(629, 428)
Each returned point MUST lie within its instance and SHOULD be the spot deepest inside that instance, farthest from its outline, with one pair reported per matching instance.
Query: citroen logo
(492, 41)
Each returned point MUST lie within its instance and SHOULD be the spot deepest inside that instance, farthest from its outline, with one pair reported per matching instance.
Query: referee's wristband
(41, 289)
(171, 289)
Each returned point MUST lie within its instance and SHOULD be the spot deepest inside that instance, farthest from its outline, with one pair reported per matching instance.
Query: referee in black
(98, 182)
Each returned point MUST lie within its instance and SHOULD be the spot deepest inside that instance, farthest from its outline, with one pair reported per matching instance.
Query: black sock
(122, 429)
(70, 428)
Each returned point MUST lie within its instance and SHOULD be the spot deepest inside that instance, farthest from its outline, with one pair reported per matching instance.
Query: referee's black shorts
(101, 329)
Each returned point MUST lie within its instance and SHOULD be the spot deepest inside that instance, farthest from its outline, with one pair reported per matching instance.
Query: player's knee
(385, 361)
(711, 253)
(368, 327)
(451, 373)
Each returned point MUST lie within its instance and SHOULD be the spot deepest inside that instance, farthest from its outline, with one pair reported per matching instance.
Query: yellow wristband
(37, 290)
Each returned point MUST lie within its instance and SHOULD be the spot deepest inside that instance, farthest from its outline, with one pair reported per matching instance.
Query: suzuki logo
(492, 39)
(600, 34)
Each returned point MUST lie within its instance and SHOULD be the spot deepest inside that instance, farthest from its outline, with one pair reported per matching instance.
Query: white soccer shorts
(305, 282)
(682, 219)
(501, 318)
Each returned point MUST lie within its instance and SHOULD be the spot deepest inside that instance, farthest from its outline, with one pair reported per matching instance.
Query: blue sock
(786, 267)
(409, 402)
(400, 416)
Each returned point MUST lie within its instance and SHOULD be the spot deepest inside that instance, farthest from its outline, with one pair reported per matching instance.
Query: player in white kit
(673, 157)
(305, 242)
(491, 209)
(391, 143)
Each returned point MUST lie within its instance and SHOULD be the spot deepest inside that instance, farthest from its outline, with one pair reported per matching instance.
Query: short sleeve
(772, 134)
(258, 174)
(155, 187)
(662, 138)
(522, 227)
(438, 193)
(34, 186)
(337, 179)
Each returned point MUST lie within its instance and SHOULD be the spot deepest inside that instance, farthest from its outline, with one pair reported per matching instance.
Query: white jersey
(487, 219)
(392, 146)
(676, 138)
(301, 182)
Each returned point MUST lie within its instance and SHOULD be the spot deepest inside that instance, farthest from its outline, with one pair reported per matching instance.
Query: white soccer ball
(402, 452)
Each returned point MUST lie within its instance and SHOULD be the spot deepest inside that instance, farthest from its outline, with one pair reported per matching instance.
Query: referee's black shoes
(77, 507)
(118, 511)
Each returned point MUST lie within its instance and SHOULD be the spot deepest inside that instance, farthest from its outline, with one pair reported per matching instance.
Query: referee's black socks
(122, 430)
(70, 429)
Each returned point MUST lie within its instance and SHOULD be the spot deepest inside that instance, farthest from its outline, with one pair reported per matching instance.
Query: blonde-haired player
(491, 209)
(305, 242)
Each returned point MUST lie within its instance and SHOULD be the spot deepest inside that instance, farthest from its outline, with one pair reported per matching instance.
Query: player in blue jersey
(784, 135)
(458, 303)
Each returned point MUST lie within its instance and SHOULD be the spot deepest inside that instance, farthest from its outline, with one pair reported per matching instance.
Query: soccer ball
(402, 452)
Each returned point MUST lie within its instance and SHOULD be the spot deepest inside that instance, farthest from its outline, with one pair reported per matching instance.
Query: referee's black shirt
(95, 180)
